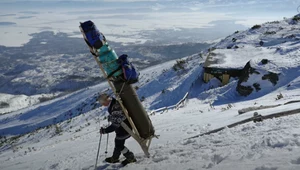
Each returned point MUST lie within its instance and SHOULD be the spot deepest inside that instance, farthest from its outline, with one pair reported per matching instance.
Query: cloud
(29, 12)
(7, 23)
(7, 15)
(157, 7)
(130, 0)
(108, 0)
(24, 17)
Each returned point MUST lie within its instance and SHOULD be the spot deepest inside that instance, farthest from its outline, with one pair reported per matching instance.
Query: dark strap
(112, 73)
(93, 54)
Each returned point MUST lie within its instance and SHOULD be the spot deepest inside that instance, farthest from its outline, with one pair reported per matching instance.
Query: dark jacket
(116, 117)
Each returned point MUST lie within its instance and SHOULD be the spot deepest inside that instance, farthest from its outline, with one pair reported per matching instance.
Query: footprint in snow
(160, 158)
(188, 141)
(215, 160)
(54, 166)
(266, 168)
(173, 151)
(297, 161)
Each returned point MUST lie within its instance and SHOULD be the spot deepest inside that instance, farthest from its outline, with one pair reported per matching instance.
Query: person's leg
(119, 146)
(128, 155)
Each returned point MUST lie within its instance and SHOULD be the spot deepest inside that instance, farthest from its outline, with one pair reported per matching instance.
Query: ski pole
(107, 143)
(98, 152)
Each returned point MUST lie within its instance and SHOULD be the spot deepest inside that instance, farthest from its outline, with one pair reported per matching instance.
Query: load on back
(120, 74)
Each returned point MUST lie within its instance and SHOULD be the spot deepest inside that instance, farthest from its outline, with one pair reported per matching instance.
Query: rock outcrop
(255, 78)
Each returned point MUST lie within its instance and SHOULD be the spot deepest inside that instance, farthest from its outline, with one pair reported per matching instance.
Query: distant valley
(51, 62)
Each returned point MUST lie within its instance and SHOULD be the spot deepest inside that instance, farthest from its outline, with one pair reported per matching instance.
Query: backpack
(130, 74)
(94, 37)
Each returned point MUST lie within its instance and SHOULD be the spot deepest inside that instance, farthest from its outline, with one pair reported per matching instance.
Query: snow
(248, 146)
(280, 48)
(72, 143)
(237, 58)
(17, 102)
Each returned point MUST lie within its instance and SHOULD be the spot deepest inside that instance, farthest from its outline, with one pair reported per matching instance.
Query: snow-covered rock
(10, 103)
(255, 78)
(267, 55)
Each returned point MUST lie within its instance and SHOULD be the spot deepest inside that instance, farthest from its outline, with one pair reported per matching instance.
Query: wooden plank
(141, 142)
(205, 77)
(254, 108)
(225, 79)
(280, 114)
(293, 101)
(276, 115)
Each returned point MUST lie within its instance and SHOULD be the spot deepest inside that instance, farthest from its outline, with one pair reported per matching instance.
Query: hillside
(269, 54)
(71, 123)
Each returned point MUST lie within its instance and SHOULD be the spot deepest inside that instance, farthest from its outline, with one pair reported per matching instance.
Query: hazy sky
(138, 20)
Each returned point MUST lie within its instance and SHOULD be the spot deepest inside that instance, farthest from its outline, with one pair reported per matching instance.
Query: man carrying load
(116, 117)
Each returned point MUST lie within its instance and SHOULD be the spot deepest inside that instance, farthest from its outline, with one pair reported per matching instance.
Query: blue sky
(128, 20)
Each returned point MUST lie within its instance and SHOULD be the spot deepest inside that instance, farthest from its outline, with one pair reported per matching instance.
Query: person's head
(104, 99)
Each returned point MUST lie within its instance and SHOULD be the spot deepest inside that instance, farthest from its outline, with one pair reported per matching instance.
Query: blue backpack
(94, 37)
(130, 74)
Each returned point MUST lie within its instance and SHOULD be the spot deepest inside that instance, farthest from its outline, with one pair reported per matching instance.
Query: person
(116, 117)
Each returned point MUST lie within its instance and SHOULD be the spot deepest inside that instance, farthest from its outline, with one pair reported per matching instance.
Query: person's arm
(110, 128)
(116, 117)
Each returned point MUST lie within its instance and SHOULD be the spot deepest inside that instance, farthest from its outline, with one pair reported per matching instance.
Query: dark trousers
(120, 148)
(119, 145)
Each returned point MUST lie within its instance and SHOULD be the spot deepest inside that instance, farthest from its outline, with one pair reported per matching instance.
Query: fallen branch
(248, 109)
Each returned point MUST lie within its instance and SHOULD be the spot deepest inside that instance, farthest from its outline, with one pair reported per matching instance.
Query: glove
(102, 130)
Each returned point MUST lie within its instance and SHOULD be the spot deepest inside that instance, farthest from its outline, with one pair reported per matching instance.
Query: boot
(112, 160)
(115, 157)
(129, 158)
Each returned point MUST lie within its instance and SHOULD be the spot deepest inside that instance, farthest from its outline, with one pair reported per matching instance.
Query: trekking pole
(98, 147)
(98, 152)
(107, 143)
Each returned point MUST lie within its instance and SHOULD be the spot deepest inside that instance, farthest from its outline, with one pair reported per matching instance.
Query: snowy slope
(246, 147)
(82, 101)
(163, 86)
(12, 103)
(281, 44)
(72, 143)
